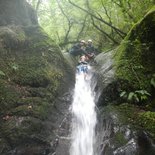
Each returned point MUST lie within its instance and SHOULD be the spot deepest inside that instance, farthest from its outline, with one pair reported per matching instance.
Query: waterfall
(84, 118)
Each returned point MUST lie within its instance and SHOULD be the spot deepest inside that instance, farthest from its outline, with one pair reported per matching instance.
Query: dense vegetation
(105, 21)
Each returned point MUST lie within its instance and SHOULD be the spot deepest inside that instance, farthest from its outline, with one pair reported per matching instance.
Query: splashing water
(84, 118)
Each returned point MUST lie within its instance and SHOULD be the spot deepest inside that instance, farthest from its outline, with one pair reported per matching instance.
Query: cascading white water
(84, 118)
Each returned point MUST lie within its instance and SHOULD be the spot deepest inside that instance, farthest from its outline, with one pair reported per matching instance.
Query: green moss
(42, 110)
(125, 112)
(147, 121)
(12, 36)
(151, 10)
(32, 75)
(119, 139)
(19, 128)
(31, 72)
(8, 96)
(135, 117)
(135, 56)
(21, 111)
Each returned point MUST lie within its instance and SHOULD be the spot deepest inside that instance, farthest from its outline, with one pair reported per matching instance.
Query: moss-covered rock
(126, 129)
(146, 120)
(33, 74)
(138, 118)
(134, 66)
(135, 56)
(17, 12)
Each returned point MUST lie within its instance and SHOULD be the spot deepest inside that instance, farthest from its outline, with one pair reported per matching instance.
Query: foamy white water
(84, 118)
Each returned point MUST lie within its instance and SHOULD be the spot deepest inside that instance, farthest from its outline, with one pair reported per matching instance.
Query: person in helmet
(90, 49)
(78, 49)
(82, 66)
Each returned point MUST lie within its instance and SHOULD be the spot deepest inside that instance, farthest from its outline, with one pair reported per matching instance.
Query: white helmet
(90, 40)
(82, 41)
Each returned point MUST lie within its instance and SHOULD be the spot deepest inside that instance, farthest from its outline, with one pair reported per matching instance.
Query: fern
(123, 94)
(153, 82)
(136, 96)
(2, 73)
(15, 66)
(130, 96)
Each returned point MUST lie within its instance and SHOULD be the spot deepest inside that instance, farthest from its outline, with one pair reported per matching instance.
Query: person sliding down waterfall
(82, 66)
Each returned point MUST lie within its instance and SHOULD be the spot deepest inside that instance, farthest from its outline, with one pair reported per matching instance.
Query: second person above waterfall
(90, 49)
(78, 49)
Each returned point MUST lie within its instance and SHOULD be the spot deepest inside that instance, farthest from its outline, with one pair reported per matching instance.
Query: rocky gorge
(37, 82)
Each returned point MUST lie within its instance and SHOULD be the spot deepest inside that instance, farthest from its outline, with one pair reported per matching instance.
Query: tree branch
(82, 28)
(69, 22)
(66, 43)
(106, 34)
(109, 16)
(124, 10)
(123, 34)
(38, 4)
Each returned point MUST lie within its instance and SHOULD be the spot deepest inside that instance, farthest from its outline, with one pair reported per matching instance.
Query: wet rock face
(106, 84)
(17, 12)
(146, 144)
(105, 67)
(114, 138)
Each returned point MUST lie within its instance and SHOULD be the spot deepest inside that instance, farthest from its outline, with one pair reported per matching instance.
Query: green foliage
(136, 96)
(2, 73)
(60, 17)
(153, 80)
(14, 66)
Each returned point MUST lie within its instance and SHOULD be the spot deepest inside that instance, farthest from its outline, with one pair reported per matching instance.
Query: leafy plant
(65, 22)
(14, 66)
(136, 96)
(153, 80)
(2, 73)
